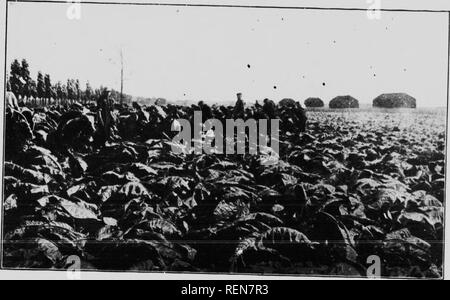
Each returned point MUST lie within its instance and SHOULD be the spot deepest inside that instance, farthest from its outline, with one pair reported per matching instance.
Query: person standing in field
(239, 108)
(270, 109)
(206, 111)
(301, 117)
(105, 118)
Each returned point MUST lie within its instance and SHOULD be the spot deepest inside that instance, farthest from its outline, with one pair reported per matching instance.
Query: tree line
(42, 92)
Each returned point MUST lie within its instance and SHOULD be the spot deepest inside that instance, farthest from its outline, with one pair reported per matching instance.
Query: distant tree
(89, 92)
(25, 75)
(82, 96)
(14, 79)
(40, 86)
(33, 88)
(64, 93)
(98, 92)
(77, 90)
(53, 92)
(8, 85)
(25, 70)
(58, 90)
(49, 93)
(71, 90)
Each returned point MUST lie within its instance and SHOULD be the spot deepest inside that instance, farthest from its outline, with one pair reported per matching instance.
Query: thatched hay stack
(314, 102)
(287, 102)
(344, 102)
(395, 100)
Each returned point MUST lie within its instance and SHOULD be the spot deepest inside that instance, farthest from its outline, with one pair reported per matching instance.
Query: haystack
(287, 102)
(395, 100)
(344, 102)
(314, 102)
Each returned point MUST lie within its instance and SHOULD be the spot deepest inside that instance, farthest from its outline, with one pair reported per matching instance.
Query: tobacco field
(356, 184)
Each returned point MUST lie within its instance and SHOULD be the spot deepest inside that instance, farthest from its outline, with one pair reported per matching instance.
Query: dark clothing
(206, 113)
(270, 109)
(239, 108)
(105, 119)
(301, 118)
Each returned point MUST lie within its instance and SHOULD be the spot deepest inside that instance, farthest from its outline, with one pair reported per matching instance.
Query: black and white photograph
(224, 139)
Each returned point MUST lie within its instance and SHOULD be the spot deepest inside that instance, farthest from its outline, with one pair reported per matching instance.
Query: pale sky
(201, 53)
